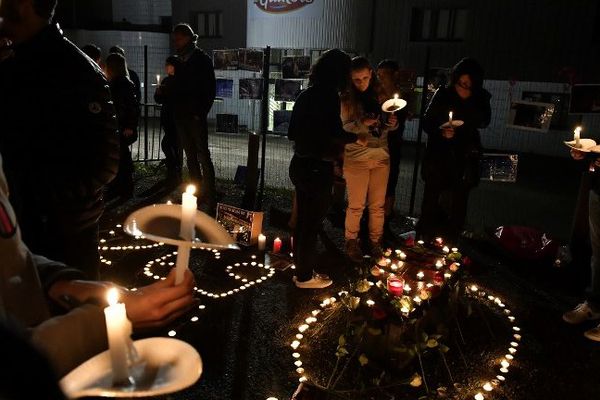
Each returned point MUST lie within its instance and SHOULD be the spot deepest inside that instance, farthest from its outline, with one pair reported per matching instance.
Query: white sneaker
(583, 312)
(316, 282)
(593, 334)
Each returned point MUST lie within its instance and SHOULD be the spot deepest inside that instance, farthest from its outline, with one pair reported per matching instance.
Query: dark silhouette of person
(194, 94)
(58, 135)
(133, 76)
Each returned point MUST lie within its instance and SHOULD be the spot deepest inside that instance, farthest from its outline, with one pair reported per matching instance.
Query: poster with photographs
(295, 67)
(224, 88)
(225, 59)
(250, 60)
(560, 117)
(530, 116)
(281, 121)
(243, 225)
(251, 88)
(585, 99)
(287, 90)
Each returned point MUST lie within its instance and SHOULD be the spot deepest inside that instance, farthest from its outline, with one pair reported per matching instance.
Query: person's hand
(368, 121)
(361, 140)
(127, 132)
(161, 302)
(577, 155)
(448, 133)
(392, 120)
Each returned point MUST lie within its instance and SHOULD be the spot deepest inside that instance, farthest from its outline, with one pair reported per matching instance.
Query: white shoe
(593, 334)
(583, 312)
(316, 282)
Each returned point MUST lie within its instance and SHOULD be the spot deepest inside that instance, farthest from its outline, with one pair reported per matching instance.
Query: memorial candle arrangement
(189, 204)
(118, 329)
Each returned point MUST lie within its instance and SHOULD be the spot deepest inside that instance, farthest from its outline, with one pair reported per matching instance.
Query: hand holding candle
(118, 330)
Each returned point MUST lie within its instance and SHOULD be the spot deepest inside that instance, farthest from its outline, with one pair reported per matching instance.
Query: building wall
(234, 20)
(513, 39)
(341, 23)
(141, 12)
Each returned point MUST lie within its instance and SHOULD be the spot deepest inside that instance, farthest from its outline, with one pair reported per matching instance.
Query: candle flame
(395, 96)
(450, 114)
(112, 296)
(190, 189)
(578, 129)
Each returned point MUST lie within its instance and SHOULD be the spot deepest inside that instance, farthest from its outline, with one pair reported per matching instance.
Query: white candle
(396, 102)
(577, 136)
(188, 213)
(157, 79)
(182, 263)
(262, 242)
(450, 119)
(118, 329)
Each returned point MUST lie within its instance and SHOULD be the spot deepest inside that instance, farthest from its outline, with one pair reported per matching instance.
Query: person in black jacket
(319, 139)
(58, 135)
(451, 162)
(194, 93)
(170, 143)
(133, 76)
(590, 309)
(128, 114)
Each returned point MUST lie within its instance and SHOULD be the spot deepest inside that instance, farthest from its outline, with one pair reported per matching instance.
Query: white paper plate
(161, 222)
(393, 105)
(455, 124)
(587, 145)
(167, 365)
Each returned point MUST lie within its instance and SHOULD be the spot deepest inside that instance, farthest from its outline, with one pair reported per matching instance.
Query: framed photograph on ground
(225, 59)
(530, 115)
(227, 123)
(560, 117)
(251, 88)
(281, 121)
(287, 90)
(250, 60)
(243, 225)
(224, 88)
(499, 167)
(585, 99)
(295, 67)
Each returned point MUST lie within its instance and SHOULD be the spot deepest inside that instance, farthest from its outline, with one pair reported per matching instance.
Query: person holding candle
(31, 286)
(451, 161)
(366, 168)
(131, 73)
(590, 309)
(318, 135)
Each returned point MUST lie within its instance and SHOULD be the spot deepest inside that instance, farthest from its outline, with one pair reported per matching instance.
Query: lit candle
(488, 387)
(157, 79)
(276, 245)
(450, 119)
(396, 100)
(479, 396)
(262, 242)
(188, 212)
(420, 275)
(439, 264)
(395, 285)
(446, 249)
(577, 136)
(118, 330)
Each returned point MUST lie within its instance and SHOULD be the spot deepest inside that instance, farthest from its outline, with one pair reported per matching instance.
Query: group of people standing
(339, 119)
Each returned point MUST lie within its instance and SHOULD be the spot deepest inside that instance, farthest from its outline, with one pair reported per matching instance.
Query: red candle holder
(395, 285)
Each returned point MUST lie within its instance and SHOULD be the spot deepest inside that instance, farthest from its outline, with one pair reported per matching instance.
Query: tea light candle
(420, 275)
(118, 330)
(446, 249)
(488, 387)
(479, 396)
(262, 242)
(577, 136)
(504, 363)
(439, 264)
(276, 245)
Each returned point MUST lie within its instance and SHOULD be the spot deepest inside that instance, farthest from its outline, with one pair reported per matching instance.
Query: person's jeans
(313, 180)
(192, 132)
(593, 297)
(366, 183)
